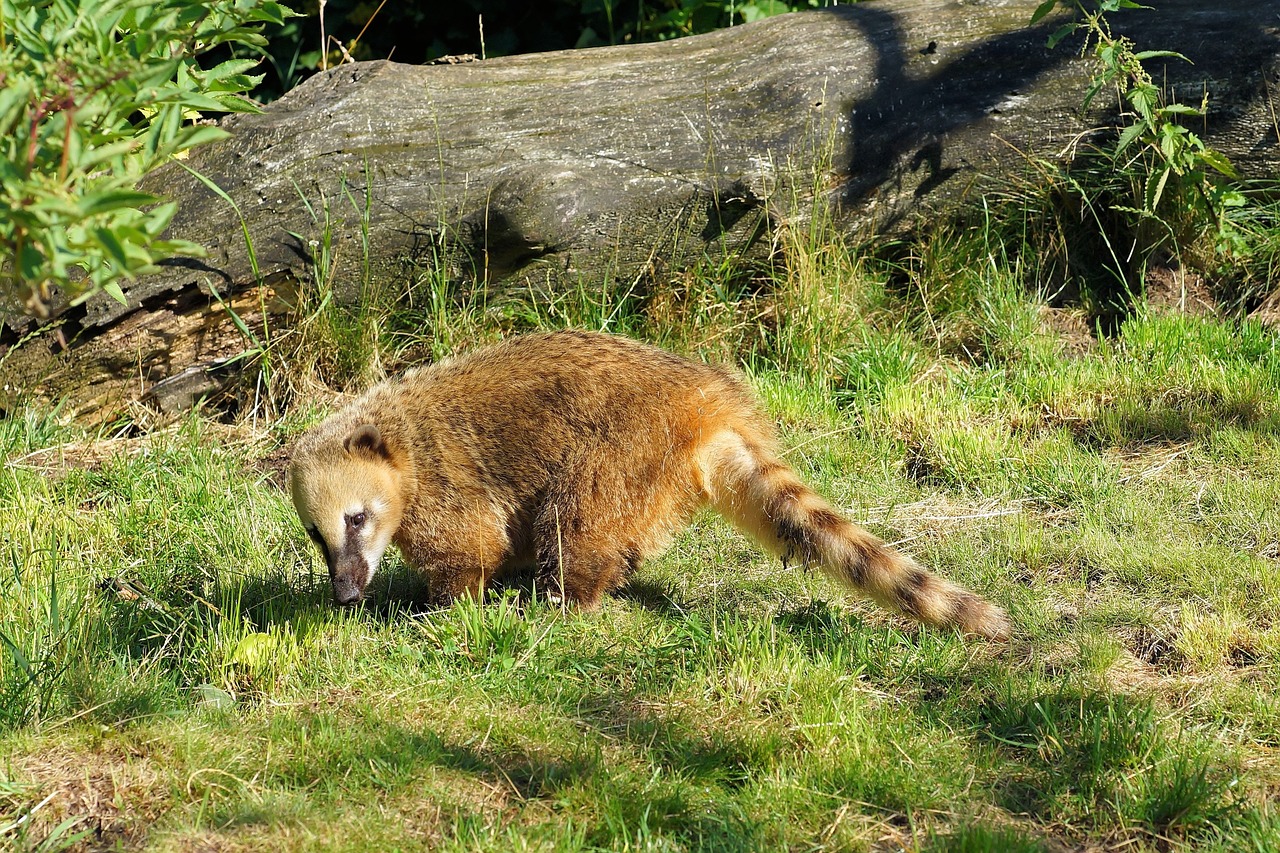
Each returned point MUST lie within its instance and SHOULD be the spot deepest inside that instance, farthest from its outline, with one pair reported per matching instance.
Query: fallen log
(551, 170)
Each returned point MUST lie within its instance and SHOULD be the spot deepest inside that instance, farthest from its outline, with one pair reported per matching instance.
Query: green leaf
(1060, 33)
(1171, 142)
(14, 98)
(59, 839)
(1043, 9)
(273, 13)
(1127, 137)
(112, 289)
(236, 84)
(31, 263)
(187, 99)
(1155, 189)
(762, 9)
(208, 696)
(236, 319)
(158, 218)
(212, 186)
(1229, 197)
(1217, 161)
(186, 248)
(198, 135)
(55, 206)
(135, 76)
(255, 651)
(87, 160)
(99, 203)
(1144, 99)
(109, 241)
(230, 68)
(55, 613)
(1153, 54)
(19, 659)
(236, 104)
(1092, 92)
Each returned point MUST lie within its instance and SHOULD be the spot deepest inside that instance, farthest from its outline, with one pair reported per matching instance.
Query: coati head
(349, 496)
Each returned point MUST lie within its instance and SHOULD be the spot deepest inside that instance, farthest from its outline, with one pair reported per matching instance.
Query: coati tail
(767, 500)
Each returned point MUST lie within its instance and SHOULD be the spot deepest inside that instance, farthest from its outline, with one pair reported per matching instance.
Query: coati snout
(581, 455)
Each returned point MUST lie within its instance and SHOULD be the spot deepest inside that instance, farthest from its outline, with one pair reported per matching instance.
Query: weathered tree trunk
(575, 166)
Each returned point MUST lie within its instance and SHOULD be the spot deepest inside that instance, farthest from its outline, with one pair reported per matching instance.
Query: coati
(580, 455)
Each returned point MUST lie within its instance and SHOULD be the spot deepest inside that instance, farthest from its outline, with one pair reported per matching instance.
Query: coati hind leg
(578, 560)
(746, 482)
(602, 519)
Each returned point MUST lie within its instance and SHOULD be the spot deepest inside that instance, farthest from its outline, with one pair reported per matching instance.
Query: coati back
(580, 455)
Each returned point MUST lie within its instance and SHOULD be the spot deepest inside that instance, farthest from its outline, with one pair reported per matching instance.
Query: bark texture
(558, 168)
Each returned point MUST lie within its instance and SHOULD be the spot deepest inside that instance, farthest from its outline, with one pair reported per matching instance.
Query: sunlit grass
(172, 675)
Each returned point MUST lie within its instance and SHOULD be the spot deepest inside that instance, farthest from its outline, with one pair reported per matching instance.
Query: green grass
(173, 677)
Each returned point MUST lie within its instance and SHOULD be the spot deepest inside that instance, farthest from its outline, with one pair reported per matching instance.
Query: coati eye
(355, 520)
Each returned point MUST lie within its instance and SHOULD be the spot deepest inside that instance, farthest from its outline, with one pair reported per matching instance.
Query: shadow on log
(557, 169)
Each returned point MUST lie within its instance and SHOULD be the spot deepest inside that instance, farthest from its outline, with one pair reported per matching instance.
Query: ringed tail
(766, 499)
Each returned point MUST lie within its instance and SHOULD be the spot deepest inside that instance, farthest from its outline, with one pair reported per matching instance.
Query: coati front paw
(565, 597)
(447, 588)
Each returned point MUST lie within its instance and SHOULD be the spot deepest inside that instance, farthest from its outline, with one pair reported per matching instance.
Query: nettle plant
(94, 94)
(1174, 178)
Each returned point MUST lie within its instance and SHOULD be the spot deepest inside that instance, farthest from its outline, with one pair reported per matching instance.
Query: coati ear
(367, 439)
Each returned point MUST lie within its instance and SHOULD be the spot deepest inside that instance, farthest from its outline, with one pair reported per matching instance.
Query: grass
(173, 677)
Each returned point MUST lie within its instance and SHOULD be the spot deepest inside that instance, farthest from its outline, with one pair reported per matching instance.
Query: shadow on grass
(334, 757)
(1107, 759)
(687, 778)
(672, 802)
(652, 596)
(410, 593)
(380, 753)
(683, 746)
(686, 786)
(1174, 417)
(139, 618)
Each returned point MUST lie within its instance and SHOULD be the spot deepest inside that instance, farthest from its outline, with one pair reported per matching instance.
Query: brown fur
(580, 454)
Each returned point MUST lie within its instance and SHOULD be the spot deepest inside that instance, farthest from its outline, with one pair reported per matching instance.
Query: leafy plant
(1175, 181)
(94, 95)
